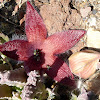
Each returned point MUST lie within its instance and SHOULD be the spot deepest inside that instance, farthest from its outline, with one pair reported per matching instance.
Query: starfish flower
(39, 52)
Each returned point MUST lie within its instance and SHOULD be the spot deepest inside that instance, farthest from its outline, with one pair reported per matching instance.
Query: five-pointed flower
(39, 52)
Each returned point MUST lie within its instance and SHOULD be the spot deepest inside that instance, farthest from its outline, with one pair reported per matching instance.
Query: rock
(93, 38)
(85, 11)
(58, 16)
(54, 16)
(94, 11)
(74, 20)
(78, 4)
(93, 20)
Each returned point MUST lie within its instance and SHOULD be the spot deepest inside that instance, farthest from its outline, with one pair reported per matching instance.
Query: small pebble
(85, 11)
(94, 12)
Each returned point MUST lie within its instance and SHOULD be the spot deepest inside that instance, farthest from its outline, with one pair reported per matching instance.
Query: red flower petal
(17, 49)
(60, 42)
(31, 65)
(60, 72)
(34, 26)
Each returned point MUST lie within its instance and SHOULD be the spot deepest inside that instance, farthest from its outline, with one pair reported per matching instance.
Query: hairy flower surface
(39, 52)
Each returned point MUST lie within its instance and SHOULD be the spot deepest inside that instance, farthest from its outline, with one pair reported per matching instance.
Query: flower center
(36, 61)
(37, 54)
(48, 67)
